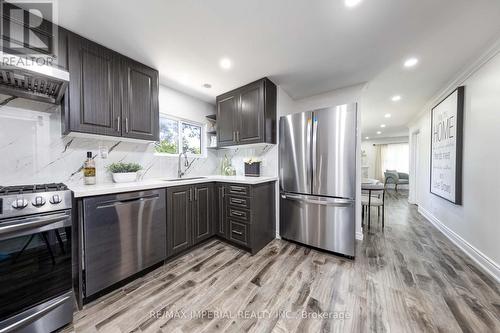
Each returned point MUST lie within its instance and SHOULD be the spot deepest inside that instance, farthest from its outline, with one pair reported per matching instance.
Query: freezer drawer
(325, 223)
(123, 234)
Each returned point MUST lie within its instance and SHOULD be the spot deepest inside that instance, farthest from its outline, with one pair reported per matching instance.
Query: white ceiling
(307, 47)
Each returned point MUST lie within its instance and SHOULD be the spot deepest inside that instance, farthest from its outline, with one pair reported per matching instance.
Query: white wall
(474, 225)
(180, 105)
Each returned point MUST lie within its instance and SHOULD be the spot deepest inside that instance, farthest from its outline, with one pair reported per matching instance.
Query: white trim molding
(485, 263)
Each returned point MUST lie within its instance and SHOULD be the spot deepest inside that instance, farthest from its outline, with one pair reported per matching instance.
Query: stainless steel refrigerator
(318, 178)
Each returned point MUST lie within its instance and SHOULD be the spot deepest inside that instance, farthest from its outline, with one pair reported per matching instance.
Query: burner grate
(20, 189)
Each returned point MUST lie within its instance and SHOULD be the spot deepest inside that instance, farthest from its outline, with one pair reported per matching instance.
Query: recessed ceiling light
(382, 126)
(396, 98)
(207, 85)
(378, 132)
(387, 115)
(352, 3)
(411, 62)
(367, 138)
(225, 63)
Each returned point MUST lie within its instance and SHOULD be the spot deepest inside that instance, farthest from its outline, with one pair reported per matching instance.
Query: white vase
(125, 177)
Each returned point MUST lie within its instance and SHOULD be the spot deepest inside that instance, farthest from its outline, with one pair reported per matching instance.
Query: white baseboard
(359, 236)
(487, 265)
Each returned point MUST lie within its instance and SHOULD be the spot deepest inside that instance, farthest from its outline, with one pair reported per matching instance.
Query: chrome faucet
(181, 173)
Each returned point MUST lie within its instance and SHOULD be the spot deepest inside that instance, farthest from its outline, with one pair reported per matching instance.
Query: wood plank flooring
(408, 278)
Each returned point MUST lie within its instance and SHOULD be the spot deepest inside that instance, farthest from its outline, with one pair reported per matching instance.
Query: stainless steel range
(35, 258)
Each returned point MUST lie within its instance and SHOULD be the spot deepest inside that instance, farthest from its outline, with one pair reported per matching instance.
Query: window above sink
(179, 135)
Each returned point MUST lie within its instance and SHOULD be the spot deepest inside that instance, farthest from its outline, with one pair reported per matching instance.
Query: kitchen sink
(179, 179)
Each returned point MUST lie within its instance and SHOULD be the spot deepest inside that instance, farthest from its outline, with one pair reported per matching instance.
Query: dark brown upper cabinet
(109, 94)
(140, 105)
(94, 90)
(247, 115)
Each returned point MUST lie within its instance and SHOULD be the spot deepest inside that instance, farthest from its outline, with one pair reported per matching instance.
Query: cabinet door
(250, 118)
(94, 89)
(140, 101)
(220, 218)
(202, 212)
(179, 216)
(227, 109)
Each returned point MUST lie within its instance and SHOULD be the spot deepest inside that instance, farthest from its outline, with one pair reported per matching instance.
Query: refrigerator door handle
(331, 202)
(314, 163)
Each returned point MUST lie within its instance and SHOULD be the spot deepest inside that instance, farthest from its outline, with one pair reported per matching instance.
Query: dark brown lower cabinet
(179, 218)
(220, 216)
(247, 215)
(203, 203)
(243, 215)
(189, 216)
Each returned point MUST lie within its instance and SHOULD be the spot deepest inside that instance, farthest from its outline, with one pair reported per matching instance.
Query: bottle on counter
(89, 170)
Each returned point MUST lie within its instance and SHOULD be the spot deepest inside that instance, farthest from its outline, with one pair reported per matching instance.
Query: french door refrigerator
(318, 178)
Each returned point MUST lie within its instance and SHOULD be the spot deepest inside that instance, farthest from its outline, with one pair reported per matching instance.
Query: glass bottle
(89, 171)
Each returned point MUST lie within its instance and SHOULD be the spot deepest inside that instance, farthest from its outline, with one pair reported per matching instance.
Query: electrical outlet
(103, 152)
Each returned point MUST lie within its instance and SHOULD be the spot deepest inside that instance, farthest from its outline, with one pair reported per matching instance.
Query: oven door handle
(33, 317)
(33, 223)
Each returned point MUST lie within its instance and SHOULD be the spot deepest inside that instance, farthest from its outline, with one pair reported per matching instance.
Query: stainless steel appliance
(318, 178)
(122, 235)
(35, 258)
(31, 79)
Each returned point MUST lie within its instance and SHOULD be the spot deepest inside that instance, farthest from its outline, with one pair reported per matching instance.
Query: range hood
(28, 78)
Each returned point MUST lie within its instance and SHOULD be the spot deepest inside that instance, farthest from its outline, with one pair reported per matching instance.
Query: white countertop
(109, 188)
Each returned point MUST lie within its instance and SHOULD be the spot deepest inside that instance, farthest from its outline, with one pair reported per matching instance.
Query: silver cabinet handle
(118, 123)
(190, 194)
(237, 232)
(237, 188)
(126, 124)
(237, 213)
(237, 201)
(195, 195)
(234, 136)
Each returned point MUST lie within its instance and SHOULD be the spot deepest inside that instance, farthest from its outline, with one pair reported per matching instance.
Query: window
(178, 136)
(396, 157)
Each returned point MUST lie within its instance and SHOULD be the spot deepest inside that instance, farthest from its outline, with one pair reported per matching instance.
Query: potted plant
(124, 172)
(252, 166)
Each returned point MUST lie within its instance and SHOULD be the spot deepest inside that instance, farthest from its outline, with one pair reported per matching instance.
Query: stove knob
(19, 203)
(55, 199)
(38, 202)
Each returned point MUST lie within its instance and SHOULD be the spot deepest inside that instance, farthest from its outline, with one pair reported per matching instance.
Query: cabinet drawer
(241, 214)
(238, 232)
(239, 189)
(240, 202)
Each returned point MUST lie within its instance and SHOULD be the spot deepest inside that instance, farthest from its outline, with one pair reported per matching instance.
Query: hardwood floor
(408, 278)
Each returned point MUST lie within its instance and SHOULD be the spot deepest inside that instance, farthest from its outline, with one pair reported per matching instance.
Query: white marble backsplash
(32, 150)
(267, 153)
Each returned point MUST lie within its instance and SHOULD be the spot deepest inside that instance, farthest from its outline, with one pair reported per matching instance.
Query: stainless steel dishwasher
(122, 235)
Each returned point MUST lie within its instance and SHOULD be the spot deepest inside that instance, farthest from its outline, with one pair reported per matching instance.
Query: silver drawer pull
(235, 212)
(238, 232)
(238, 201)
(238, 188)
